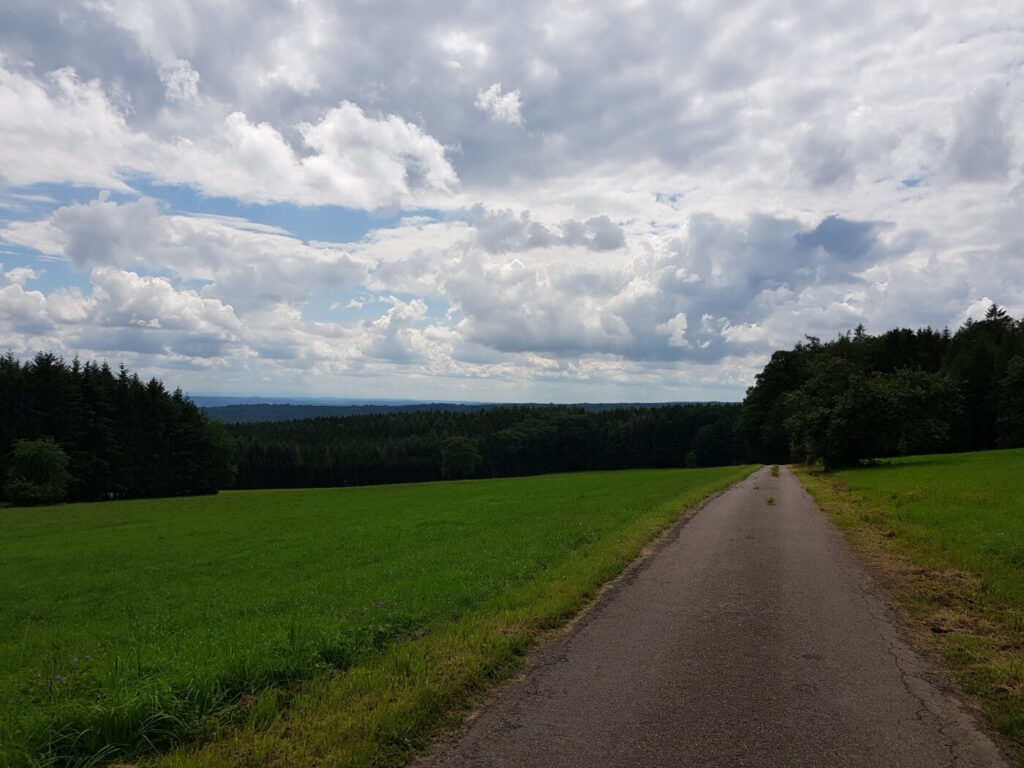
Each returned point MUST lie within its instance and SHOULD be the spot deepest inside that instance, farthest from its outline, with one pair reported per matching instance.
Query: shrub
(37, 473)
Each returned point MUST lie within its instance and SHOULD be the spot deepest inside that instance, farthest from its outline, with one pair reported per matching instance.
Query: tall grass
(129, 628)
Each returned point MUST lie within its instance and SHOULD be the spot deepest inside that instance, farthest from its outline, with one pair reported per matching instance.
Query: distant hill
(258, 412)
(216, 401)
(253, 413)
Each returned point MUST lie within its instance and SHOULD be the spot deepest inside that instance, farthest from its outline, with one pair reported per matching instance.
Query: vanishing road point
(749, 638)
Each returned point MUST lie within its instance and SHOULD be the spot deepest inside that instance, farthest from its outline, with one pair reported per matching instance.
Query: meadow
(945, 533)
(340, 626)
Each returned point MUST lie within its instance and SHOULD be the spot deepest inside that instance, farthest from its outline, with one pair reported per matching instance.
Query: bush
(37, 473)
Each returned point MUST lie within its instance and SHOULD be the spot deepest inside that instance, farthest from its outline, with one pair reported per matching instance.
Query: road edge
(537, 656)
(881, 567)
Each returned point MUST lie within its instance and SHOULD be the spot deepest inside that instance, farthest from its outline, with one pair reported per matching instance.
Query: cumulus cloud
(695, 187)
(125, 312)
(350, 160)
(60, 129)
(19, 275)
(502, 107)
(394, 336)
(345, 157)
(503, 231)
(243, 264)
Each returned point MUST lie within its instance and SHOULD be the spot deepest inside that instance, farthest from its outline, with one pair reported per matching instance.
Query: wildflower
(74, 660)
(58, 676)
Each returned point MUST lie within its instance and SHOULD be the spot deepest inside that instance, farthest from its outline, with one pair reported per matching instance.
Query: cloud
(351, 160)
(675, 329)
(684, 189)
(181, 82)
(243, 264)
(503, 231)
(344, 158)
(825, 161)
(19, 275)
(60, 129)
(502, 107)
(983, 141)
(394, 336)
(841, 238)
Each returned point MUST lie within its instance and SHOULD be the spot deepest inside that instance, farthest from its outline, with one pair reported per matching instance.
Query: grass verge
(292, 628)
(945, 536)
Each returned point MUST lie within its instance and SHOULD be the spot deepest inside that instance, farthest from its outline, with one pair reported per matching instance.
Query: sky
(490, 201)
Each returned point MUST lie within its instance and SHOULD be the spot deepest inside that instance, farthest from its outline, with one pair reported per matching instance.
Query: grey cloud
(112, 340)
(825, 161)
(152, 341)
(703, 300)
(102, 232)
(840, 237)
(982, 146)
(62, 33)
(277, 350)
(598, 234)
(503, 232)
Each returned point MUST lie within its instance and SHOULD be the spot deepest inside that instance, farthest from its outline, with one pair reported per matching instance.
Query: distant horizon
(202, 400)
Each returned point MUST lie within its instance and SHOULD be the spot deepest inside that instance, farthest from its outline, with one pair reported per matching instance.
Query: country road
(749, 638)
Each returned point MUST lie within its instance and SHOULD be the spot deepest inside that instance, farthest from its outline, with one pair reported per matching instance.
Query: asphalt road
(749, 638)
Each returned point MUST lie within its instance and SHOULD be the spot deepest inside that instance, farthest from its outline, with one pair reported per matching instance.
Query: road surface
(750, 637)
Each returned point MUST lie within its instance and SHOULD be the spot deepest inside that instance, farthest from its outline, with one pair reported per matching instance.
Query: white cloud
(71, 132)
(350, 160)
(675, 329)
(502, 107)
(181, 82)
(692, 185)
(462, 49)
(245, 266)
(60, 129)
(19, 275)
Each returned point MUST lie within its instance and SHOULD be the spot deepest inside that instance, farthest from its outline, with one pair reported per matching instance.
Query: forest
(501, 441)
(864, 397)
(81, 432)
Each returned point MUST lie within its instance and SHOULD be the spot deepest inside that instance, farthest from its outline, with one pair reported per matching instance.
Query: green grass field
(343, 626)
(946, 533)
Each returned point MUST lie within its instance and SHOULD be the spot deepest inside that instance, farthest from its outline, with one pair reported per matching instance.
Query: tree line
(83, 432)
(498, 441)
(903, 392)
